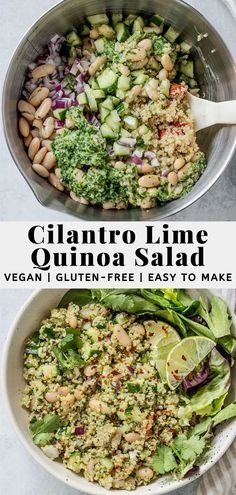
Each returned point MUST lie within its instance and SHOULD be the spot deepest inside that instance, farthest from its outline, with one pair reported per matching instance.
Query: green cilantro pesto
(102, 185)
(82, 145)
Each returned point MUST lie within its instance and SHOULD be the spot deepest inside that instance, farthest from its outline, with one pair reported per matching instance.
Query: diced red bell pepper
(177, 89)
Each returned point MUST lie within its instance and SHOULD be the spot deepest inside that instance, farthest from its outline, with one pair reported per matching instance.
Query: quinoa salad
(126, 385)
(104, 113)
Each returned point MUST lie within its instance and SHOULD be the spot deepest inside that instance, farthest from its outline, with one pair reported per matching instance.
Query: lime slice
(185, 356)
(163, 338)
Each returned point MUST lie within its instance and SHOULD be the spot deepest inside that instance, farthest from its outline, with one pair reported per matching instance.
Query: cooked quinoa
(109, 120)
(88, 370)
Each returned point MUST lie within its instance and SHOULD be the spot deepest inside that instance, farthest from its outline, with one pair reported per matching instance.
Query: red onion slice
(129, 142)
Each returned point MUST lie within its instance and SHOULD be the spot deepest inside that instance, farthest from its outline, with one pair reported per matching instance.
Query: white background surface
(17, 200)
(19, 474)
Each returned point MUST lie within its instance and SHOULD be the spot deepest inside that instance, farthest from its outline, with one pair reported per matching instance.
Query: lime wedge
(163, 338)
(185, 356)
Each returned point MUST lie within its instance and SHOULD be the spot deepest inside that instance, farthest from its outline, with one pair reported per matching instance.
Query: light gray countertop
(18, 202)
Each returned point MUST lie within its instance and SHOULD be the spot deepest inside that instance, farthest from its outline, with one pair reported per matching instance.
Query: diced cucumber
(143, 129)
(165, 87)
(65, 50)
(122, 107)
(187, 68)
(98, 19)
(83, 29)
(120, 94)
(98, 94)
(171, 34)
(122, 32)
(100, 45)
(104, 112)
(157, 19)
(82, 99)
(106, 463)
(94, 83)
(107, 79)
(124, 133)
(154, 64)
(131, 122)
(107, 132)
(141, 79)
(138, 25)
(108, 103)
(185, 47)
(115, 100)
(120, 150)
(130, 19)
(113, 120)
(116, 18)
(123, 83)
(60, 113)
(91, 99)
(73, 39)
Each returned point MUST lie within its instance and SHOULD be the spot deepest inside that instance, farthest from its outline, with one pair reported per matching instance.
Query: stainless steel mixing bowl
(215, 71)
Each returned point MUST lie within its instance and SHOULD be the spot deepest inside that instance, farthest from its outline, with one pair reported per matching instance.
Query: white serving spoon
(207, 113)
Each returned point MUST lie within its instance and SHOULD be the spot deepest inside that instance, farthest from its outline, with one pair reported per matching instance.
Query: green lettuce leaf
(227, 413)
(218, 318)
(76, 296)
(209, 398)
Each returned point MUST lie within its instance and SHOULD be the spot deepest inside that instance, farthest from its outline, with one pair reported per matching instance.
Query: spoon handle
(225, 112)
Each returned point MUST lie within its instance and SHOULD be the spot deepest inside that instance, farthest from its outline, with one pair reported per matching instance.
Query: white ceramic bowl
(27, 321)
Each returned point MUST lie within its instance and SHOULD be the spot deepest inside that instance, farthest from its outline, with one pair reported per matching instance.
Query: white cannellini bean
(97, 64)
(63, 391)
(73, 322)
(28, 116)
(28, 140)
(24, 106)
(145, 473)
(47, 143)
(166, 62)
(136, 55)
(24, 127)
(50, 451)
(38, 158)
(90, 370)
(33, 148)
(43, 70)
(149, 181)
(132, 437)
(122, 336)
(49, 160)
(179, 163)
(40, 170)
(48, 127)
(38, 95)
(43, 109)
(163, 74)
(146, 44)
(51, 397)
(172, 178)
(55, 182)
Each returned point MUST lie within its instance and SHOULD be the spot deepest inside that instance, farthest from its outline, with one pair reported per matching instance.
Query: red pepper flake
(176, 376)
(179, 124)
(162, 133)
(100, 339)
(115, 372)
(184, 358)
(151, 334)
(177, 89)
(130, 369)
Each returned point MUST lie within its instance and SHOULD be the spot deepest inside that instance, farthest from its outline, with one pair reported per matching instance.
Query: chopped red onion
(130, 369)
(136, 159)
(165, 173)
(59, 124)
(129, 142)
(155, 162)
(61, 103)
(79, 430)
(150, 155)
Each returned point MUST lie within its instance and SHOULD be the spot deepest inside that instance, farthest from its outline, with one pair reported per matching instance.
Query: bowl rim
(90, 487)
(54, 204)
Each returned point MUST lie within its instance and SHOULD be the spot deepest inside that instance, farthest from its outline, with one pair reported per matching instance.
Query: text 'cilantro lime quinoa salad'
(124, 386)
(105, 113)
